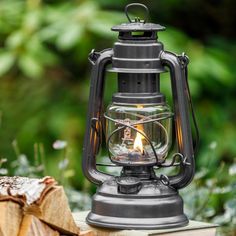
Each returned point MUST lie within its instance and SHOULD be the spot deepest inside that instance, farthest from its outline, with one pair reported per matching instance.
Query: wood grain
(10, 218)
(87, 233)
(35, 207)
(54, 210)
(31, 226)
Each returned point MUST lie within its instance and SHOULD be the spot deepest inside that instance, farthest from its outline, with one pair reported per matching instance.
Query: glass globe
(138, 134)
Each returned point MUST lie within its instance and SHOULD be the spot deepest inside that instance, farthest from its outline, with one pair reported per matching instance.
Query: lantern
(138, 126)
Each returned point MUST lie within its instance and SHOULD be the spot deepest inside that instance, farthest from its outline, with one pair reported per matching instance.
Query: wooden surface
(10, 218)
(32, 226)
(194, 228)
(87, 233)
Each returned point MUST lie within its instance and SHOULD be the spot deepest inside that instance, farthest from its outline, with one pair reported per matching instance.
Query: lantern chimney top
(137, 28)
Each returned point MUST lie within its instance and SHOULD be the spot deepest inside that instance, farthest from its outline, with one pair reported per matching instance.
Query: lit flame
(138, 145)
(139, 106)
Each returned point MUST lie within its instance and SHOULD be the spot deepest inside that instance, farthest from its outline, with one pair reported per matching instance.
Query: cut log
(87, 233)
(41, 198)
(10, 218)
(54, 210)
(31, 226)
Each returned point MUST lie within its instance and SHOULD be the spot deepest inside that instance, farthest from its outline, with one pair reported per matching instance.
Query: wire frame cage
(125, 128)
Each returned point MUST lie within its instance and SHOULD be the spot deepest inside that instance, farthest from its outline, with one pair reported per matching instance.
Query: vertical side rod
(92, 138)
(182, 120)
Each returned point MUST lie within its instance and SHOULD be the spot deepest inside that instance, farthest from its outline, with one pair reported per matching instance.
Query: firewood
(31, 226)
(87, 233)
(42, 198)
(54, 210)
(24, 190)
(10, 218)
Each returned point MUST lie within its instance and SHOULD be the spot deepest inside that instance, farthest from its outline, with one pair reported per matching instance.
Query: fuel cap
(128, 185)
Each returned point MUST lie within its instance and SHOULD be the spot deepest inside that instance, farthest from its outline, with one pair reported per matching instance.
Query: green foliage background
(44, 87)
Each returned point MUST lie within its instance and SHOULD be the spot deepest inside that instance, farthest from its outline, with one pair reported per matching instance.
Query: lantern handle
(92, 139)
(137, 19)
(184, 60)
(180, 91)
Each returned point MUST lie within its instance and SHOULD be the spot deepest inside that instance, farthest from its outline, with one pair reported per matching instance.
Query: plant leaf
(6, 62)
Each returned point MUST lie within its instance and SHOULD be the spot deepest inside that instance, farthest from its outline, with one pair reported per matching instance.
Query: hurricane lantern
(138, 130)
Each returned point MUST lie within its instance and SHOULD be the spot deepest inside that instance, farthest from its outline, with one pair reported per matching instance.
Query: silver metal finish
(138, 198)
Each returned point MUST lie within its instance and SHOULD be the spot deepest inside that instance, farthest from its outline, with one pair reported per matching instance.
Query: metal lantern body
(138, 128)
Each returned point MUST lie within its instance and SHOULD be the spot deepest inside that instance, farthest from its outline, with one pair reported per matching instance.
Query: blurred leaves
(7, 61)
(65, 25)
(210, 198)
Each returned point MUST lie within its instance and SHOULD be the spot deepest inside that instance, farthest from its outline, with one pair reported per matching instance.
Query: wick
(138, 150)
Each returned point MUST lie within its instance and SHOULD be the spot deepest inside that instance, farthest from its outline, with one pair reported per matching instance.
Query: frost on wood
(29, 190)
